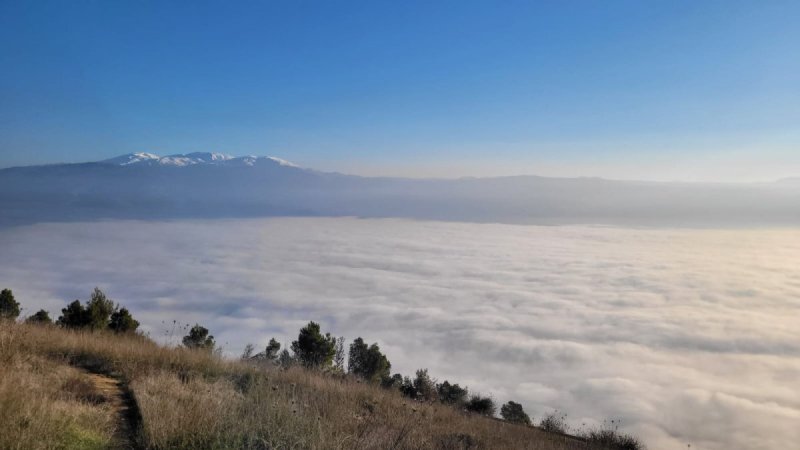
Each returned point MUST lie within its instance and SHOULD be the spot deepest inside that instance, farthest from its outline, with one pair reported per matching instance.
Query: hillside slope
(191, 399)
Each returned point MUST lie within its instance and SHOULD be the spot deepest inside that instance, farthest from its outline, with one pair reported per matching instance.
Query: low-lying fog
(687, 336)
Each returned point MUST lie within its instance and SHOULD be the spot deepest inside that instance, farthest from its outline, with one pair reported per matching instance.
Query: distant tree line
(98, 313)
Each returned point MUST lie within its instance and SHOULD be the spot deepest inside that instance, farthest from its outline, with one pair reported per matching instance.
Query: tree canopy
(99, 313)
(73, 316)
(122, 322)
(481, 405)
(368, 362)
(41, 317)
(313, 349)
(451, 394)
(513, 412)
(198, 338)
(98, 310)
(424, 386)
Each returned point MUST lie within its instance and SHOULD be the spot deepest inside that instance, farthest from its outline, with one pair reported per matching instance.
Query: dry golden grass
(189, 399)
(304, 410)
(47, 405)
(129, 356)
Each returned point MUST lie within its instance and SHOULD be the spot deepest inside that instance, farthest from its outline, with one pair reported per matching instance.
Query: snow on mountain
(190, 159)
(281, 162)
(208, 157)
(132, 158)
(194, 158)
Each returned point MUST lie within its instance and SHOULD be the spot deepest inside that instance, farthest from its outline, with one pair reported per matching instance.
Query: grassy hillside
(190, 399)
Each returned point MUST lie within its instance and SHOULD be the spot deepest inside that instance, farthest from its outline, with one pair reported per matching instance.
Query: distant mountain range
(215, 185)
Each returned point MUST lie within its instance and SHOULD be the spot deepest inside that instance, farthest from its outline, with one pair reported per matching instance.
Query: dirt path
(122, 406)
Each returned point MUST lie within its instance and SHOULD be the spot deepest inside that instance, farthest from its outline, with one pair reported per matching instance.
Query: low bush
(513, 412)
(609, 437)
(481, 405)
(554, 422)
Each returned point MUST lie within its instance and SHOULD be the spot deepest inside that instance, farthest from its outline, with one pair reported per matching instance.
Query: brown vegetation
(45, 404)
(194, 399)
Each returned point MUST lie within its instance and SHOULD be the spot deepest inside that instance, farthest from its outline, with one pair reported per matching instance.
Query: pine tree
(122, 322)
(98, 310)
(312, 348)
(9, 307)
(73, 316)
(367, 361)
(513, 412)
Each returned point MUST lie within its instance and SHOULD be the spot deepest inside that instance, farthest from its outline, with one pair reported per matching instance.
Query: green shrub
(452, 394)
(122, 322)
(73, 316)
(609, 437)
(198, 338)
(513, 412)
(481, 405)
(40, 317)
(554, 422)
(424, 386)
(393, 382)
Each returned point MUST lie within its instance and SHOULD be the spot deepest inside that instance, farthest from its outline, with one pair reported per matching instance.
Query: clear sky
(692, 90)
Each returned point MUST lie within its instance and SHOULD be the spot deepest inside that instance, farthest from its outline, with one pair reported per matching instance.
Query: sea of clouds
(687, 336)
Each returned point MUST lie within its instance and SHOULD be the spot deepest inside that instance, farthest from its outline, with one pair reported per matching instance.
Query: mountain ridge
(139, 159)
(215, 185)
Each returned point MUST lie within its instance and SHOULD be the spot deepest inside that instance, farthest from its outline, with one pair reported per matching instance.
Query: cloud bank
(688, 336)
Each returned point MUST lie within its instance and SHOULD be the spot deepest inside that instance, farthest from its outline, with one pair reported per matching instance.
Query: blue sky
(651, 90)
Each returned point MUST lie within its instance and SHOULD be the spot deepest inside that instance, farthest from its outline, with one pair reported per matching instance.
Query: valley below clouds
(687, 336)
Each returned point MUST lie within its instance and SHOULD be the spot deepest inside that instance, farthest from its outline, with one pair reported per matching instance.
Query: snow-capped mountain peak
(195, 158)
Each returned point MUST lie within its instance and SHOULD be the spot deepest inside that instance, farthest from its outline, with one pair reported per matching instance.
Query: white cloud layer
(688, 336)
